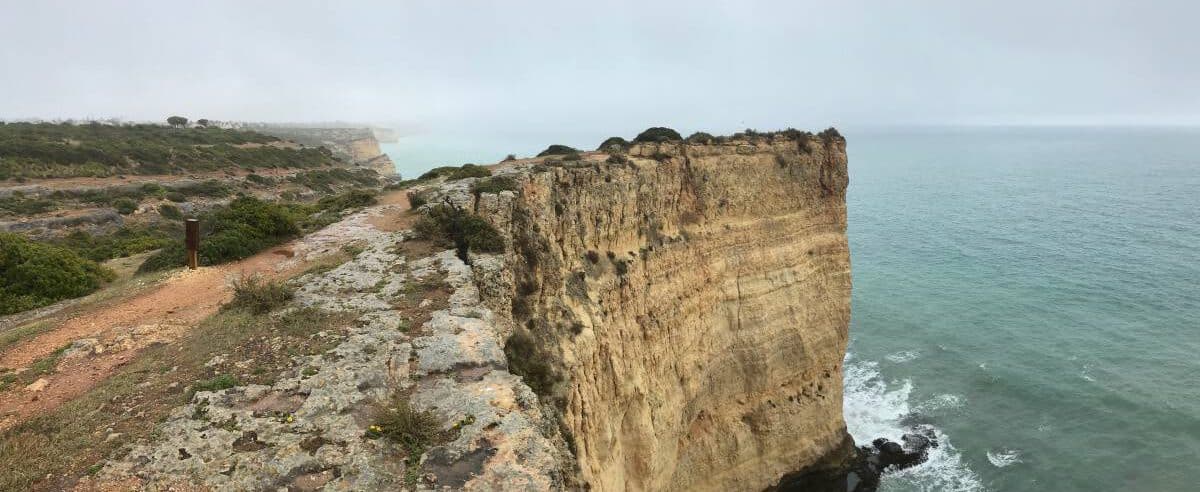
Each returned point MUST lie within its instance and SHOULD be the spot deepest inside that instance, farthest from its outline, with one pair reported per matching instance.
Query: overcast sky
(594, 66)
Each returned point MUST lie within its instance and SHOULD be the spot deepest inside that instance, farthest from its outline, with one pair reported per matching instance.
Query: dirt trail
(162, 313)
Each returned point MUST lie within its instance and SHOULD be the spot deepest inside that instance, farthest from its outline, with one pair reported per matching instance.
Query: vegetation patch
(36, 274)
(700, 138)
(414, 431)
(450, 225)
(613, 143)
(557, 149)
(324, 180)
(494, 185)
(658, 134)
(452, 173)
(49, 150)
(258, 295)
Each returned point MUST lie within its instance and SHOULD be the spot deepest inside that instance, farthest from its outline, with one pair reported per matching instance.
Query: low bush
(616, 159)
(125, 206)
(18, 204)
(452, 226)
(452, 173)
(123, 242)
(470, 171)
(509, 157)
(258, 295)
(244, 227)
(259, 179)
(658, 134)
(494, 185)
(355, 198)
(700, 138)
(613, 142)
(413, 430)
(557, 149)
(830, 134)
(572, 157)
(168, 211)
(36, 274)
(176, 196)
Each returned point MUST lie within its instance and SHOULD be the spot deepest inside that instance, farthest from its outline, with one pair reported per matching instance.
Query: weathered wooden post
(192, 233)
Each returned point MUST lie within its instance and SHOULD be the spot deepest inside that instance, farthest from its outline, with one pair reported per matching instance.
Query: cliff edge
(680, 309)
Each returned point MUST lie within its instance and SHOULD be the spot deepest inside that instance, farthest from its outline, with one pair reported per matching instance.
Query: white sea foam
(905, 356)
(1004, 457)
(874, 408)
(941, 402)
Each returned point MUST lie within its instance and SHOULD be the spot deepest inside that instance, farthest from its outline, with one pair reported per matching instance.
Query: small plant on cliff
(830, 135)
(658, 134)
(557, 149)
(700, 138)
(527, 361)
(613, 142)
(494, 185)
(616, 159)
(258, 295)
(450, 225)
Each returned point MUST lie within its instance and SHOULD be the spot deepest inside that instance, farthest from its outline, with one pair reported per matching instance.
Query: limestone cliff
(358, 146)
(683, 314)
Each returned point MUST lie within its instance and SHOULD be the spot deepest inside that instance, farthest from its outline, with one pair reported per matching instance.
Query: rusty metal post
(192, 233)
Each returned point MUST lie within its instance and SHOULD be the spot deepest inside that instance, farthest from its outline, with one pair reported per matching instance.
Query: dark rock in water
(860, 471)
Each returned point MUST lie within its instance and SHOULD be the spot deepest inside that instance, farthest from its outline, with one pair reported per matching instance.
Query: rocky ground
(423, 334)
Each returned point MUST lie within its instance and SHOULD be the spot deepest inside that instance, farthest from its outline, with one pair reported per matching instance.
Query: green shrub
(453, 226)
(509, 157)
(224, 381)
(658, 134)
(415, 200)
(613, 142)
(352, 199)
(35, 274)
(452, 173)
(572, 157)
(470, 171)
(494, 185)
(830, 134)
(168, 211)
(700, 138)
(176, 196)
(437, 172)
(244, 227)
(121, 243)
(259, 179)
(125, 206)
(17, 204)
(525, 359)
(616, 159)
(258, 295)
(397, 421)
(557, 149)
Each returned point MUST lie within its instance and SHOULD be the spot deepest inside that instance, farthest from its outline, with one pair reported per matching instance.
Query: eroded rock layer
(684, 312)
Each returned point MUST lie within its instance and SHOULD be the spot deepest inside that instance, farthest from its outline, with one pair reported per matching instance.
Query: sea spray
(874, 408)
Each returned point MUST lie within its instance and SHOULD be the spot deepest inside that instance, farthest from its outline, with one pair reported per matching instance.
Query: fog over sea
(1032, 293)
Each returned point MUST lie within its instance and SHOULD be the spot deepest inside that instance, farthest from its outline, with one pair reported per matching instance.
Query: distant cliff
(682, 311)
(359, 146)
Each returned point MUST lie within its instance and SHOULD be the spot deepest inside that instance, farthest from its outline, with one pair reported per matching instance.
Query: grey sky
(595, 66)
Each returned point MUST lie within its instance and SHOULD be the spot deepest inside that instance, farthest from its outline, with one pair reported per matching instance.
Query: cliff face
(356, 145)
(684, 315)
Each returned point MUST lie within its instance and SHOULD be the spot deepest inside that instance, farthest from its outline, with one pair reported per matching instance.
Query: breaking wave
(874, 408)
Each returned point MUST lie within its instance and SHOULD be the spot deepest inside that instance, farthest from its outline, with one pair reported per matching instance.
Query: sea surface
(1032, 294)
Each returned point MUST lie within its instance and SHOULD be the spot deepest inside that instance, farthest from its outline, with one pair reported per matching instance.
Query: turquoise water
(1033, 294)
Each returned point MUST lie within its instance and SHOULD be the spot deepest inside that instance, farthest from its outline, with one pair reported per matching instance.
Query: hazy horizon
(541, 67)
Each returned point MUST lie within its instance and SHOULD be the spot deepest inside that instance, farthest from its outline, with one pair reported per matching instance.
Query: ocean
(1032, 294)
